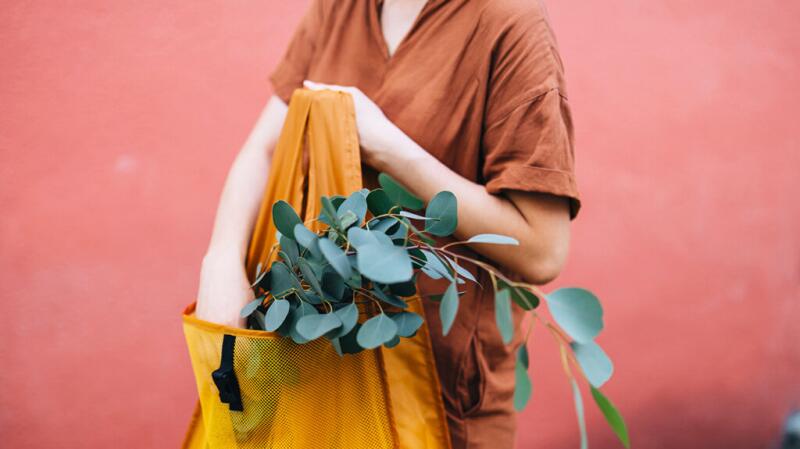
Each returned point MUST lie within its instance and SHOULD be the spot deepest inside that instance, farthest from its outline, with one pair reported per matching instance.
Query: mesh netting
(294, 396)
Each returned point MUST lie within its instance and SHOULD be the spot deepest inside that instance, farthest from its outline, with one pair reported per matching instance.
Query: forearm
(244, 185)
(541, 252)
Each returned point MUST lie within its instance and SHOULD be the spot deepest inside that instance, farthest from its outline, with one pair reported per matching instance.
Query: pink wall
(118, 121)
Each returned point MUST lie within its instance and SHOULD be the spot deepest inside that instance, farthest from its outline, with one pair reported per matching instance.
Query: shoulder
(515, 15)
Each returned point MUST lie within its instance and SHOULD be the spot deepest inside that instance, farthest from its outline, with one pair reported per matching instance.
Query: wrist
(224, 255)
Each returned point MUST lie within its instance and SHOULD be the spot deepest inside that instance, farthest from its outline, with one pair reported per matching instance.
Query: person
(460, 95)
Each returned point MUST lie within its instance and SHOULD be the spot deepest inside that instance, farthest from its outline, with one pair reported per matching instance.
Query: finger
(321, 86)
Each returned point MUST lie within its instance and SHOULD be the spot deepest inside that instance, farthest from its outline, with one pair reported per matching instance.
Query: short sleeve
(295, 63)
(528, 141)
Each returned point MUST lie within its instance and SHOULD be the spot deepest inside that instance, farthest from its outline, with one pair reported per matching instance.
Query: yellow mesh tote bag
(258, 389)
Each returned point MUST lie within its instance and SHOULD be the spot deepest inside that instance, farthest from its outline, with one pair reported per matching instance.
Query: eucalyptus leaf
(389, 298)
(613, 417)
(290, 249)
(251, 307)
(462, 272)
(576, 395)
(387, 264)
(378, 202)
(333, 285)
(448, 307)
(594, 362)
(496, 239)
(359, 237)
(276, 314)
(414, 216)
(336, 257)
(443, 209)
(306, 239)
(393, 342)
(408, 288)
(309, 276)
(303, 310)
(329, 212)
(386, 225)
(285, 218)
(577, 311)
(349, 218)
(281, 279)
(502, 313)
(348, 315)
(398, 194)
(407, 323)
(348, 342)
(434, 267)
(355, 203)
(376, 331)
(313, 326)
(522, 383)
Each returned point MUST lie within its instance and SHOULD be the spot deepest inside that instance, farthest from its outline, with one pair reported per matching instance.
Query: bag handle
(325, 120)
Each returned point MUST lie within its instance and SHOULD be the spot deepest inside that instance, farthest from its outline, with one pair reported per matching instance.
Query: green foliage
(442, 213)
(613, 417)
(522, 383)
(347, 282)
(577, 311)
(398, 194)
(594, 362)
(502, 313)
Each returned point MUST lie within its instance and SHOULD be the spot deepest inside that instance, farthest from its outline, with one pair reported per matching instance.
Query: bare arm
(224, 287)
(539, 221)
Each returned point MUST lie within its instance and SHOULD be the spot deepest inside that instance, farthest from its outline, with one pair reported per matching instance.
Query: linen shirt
(480, 85)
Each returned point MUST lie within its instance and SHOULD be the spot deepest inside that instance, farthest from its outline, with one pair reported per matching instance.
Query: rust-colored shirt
(479, 84)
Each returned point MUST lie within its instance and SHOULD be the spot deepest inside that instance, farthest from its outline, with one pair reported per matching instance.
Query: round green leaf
(594, 362)
(312, 326)
(281, 279)
(398, 194)
(376, 331)
(355, 203)
(348, 315)
(502, 314)
(301, 311)
(443, 210)
(387, 264)
(285, 218)
(378, 202)
(407, 323)
(276, 314)
(448, 307)
(306, 238)
(359, 237)
(393, 342)
(496, 239)
(348, 342)
(251, 307)
(336, 257)
(613, 417)
(577, 311)
(289, 249)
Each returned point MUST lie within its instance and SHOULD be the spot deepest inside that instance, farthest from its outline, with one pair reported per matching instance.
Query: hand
(378, 136)
(224, 290)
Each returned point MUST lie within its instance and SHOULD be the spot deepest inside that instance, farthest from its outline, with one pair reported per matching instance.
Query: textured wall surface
(118, 121)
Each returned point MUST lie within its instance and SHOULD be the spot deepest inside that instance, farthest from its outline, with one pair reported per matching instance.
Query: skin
(539, 221)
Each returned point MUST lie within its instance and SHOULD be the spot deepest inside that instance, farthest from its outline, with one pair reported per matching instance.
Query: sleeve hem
(285, 80)
(538, 179)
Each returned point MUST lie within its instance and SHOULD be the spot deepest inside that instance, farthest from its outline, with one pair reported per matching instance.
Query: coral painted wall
(118, 121)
